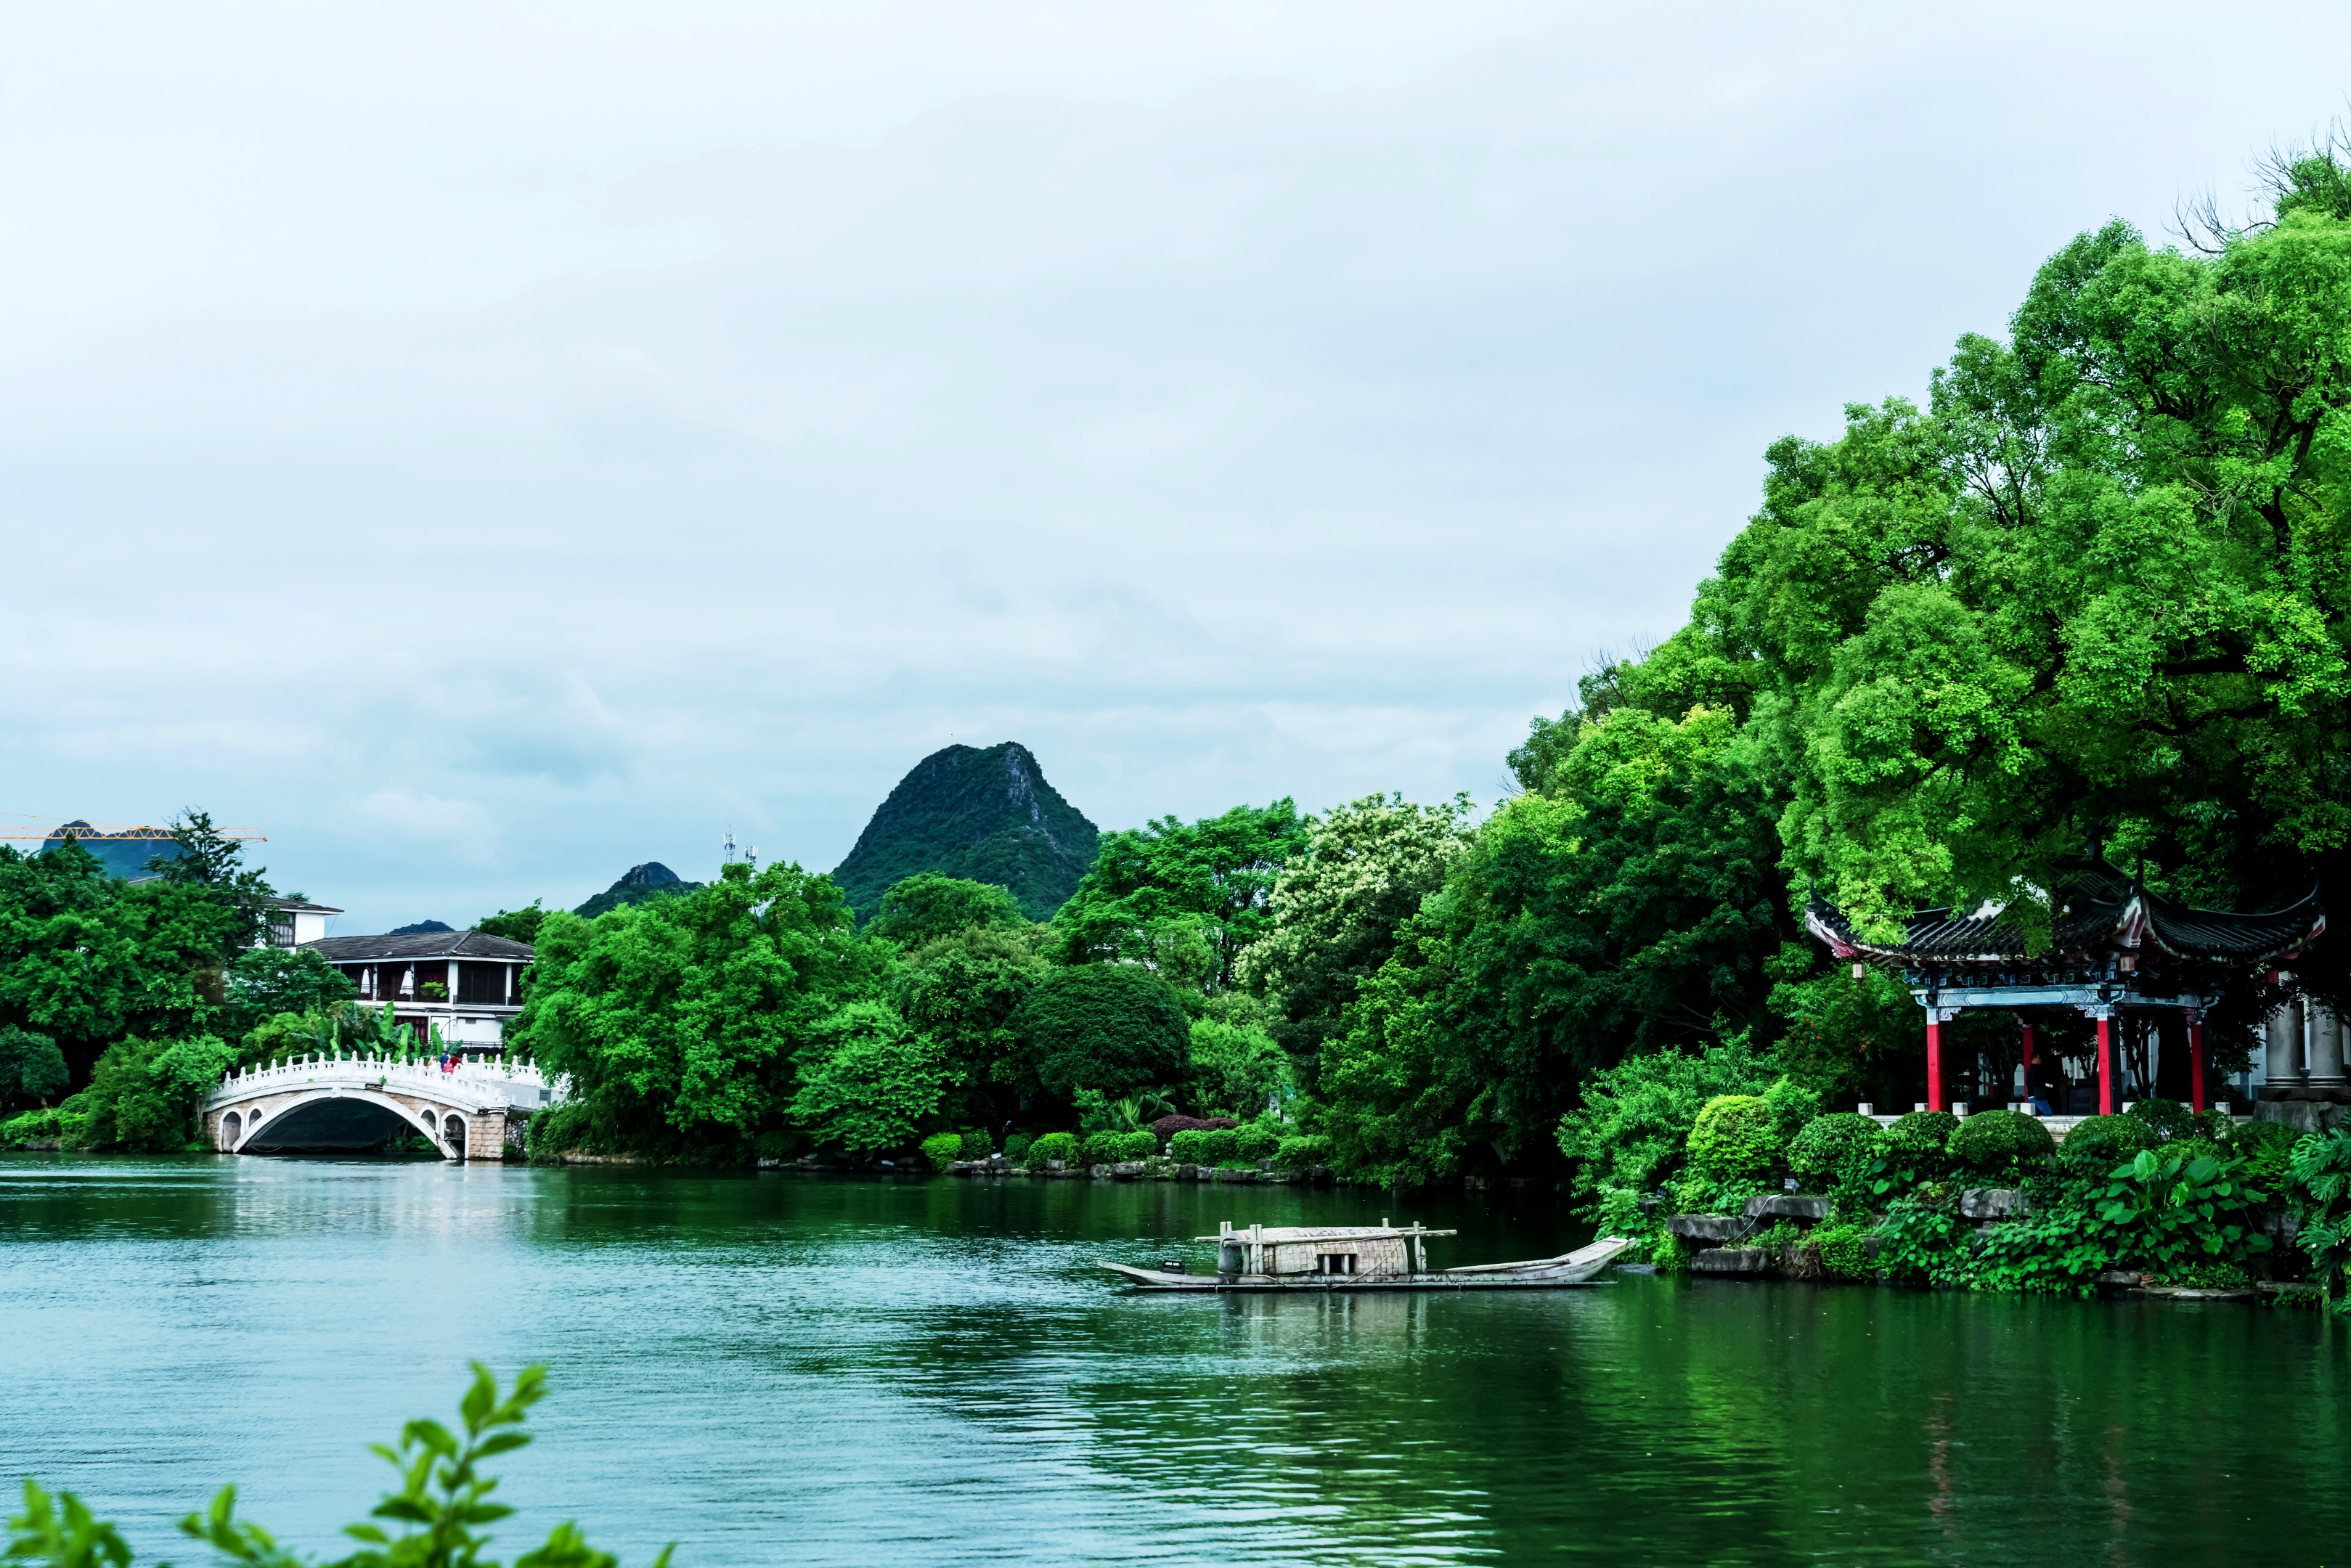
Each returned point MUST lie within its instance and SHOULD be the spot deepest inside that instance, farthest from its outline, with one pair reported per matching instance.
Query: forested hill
(639, 883)
(986, 815)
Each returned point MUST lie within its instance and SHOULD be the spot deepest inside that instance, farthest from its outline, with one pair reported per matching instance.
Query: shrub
(1103, 1148)
(941, 1149)
(43, 1123)
(1115, 1028)
(2098, 1144)
(1734, 1137)
(1921, 1134)
(977, 1144)
(1793, 1108)
(1142, 1145)
(1256, 1141)
(1632, 1131)
(1016, 1147)
(2267, 1149)
(1062, 1146)
(1997, 1141)
(1300, 1153)
(1167, 1127)
(1220, 1146)
(2167, 1119)
(1187, 1147)
(1831, 1148)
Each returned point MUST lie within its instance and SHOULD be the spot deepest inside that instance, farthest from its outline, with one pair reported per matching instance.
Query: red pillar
(2106, 1067)
(1934, 1060)
(2196, 1062)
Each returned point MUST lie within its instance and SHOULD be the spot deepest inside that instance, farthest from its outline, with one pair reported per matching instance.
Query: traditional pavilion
(2118, 949)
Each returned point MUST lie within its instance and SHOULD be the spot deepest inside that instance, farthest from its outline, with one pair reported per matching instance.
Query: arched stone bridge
(327, 1102)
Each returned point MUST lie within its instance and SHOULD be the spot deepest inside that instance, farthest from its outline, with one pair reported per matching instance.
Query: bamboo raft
(1382, 1257)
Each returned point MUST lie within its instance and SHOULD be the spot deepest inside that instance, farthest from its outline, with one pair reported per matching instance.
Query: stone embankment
(1146, 1170)
(1715, 1239)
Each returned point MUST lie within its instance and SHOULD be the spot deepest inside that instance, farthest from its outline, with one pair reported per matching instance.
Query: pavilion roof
(2100, 911)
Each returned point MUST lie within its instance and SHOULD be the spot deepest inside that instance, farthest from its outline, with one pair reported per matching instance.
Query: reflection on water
(782, 1369)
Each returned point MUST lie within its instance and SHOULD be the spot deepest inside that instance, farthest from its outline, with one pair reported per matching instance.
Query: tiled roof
(2102, 912)
(430, 944)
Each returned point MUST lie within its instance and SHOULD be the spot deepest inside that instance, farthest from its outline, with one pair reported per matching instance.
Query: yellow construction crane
(135, 832)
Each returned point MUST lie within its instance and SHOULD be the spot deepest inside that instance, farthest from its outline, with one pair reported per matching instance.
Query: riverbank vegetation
(2091, 589)
(135, 996)
(432, 1520)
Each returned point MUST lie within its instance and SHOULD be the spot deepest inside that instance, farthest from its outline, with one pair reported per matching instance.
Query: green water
(788, 1369)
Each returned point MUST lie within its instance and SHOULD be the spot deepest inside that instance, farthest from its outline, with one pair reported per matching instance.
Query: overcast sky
(485, 446)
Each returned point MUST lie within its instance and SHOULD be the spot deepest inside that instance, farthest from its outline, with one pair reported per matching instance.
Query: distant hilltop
(639, 883)
(986, 815)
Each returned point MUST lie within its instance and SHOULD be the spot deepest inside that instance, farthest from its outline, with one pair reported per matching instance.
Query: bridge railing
(519, 1082)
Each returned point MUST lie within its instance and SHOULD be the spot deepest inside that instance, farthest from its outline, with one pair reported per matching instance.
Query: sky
(482, 447)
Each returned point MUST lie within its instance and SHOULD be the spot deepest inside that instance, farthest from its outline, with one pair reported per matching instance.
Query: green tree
(920, 908)
(1239, 1068)
(208, 859)
(88, 960)
(265, 981)
(31, 1066)
(1635, 905)
(682, 1021)
(514, 924)
(1116, 1028)
(1362, 871)
(1184, 899)
(869, 1083)
(962, 989)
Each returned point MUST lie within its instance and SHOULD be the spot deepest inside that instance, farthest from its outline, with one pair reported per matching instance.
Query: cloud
(588, 437)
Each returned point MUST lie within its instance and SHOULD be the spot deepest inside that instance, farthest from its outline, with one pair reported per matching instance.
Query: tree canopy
(1183, 898)
(1114, 1028)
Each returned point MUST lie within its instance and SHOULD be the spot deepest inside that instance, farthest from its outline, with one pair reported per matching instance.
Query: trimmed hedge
(1733, 1137)
(1299, 1154)
(1109, 1148)
(2099, 1143)
(1829, 1145)
(1917, 1132)
(1256, 1141)
(1209, 1146)
(1099, 1148)
(977, 1145)
(2168, 1119)
(941, 1149)
(1016, 1147)
(1141, 1144)
(2000, 1140)
(1062, 1146)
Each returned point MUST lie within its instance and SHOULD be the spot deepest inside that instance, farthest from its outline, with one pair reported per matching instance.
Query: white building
(463, 983)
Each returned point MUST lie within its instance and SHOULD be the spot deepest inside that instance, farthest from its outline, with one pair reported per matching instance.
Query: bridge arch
(232, 1129)
(332, 1119)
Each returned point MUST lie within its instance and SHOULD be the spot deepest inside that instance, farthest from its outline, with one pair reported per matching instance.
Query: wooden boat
(1362, 1258)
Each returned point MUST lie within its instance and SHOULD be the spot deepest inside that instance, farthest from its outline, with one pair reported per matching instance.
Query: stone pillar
(485, 1135)
(2326, 1076)
(2284, 1054)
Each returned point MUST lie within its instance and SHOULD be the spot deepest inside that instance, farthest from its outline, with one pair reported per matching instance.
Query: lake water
(788, 1369)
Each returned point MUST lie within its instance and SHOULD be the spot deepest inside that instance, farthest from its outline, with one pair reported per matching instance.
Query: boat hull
(1564, 1272)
